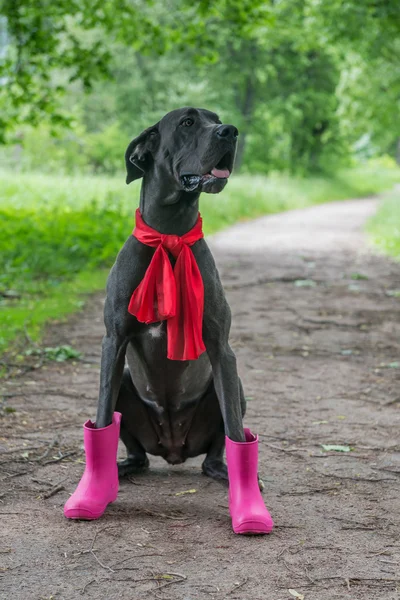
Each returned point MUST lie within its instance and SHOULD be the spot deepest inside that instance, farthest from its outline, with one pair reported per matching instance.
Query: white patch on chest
(156, 332)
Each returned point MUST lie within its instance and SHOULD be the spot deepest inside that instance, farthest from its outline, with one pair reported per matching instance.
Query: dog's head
(190, 146)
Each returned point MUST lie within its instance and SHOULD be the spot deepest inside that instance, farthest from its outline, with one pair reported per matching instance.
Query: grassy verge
(27, 315)
(61, 234)
(384, 226)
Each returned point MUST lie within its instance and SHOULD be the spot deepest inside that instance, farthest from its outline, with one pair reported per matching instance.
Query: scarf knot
(172, 243)
(174, 294)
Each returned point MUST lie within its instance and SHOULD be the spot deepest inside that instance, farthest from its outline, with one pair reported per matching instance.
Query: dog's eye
(187, 123)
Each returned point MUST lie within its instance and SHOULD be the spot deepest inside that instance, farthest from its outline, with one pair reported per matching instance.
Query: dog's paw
(215, 468)
(133, 465)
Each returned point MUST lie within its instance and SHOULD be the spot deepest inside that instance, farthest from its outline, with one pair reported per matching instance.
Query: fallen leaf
(305, 283)
(334, 448)
(392, 365)
(296, 594)
(193, 491)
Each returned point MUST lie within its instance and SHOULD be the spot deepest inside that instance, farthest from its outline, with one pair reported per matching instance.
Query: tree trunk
(240, 150)
(246, 107)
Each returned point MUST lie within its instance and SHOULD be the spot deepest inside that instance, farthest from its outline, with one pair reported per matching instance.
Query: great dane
(173, 409)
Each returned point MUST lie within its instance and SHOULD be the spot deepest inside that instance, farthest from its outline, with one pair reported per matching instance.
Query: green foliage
(384, 226)
(105, 149)
(49, 303)
(37, 191)
(69, 150)
(58, 353)
(59, 150)
(335, 448)
(64, 242)
(43, 38)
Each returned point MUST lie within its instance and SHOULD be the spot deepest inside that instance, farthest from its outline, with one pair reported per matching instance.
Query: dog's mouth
(222, 169)
(220, 172)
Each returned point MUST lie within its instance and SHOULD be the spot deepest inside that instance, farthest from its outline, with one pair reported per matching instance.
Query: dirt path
(318, 351)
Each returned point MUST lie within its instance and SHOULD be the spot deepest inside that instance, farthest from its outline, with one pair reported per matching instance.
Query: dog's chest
(153, 339)
(171, 390)
(156, 331)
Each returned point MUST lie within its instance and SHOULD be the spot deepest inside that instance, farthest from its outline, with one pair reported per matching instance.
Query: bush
(66, 151)
(54, 244)
(105, 150)
(61, 151)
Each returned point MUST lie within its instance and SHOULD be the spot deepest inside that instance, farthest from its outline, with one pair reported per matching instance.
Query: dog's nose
(228, 132)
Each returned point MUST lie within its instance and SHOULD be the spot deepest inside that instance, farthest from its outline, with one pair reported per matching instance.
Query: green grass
(384, 226)
(31, 312)
(59, 235)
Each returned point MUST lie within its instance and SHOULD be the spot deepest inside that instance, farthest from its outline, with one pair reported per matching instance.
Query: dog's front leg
(99, 484)
(216, 327)
(112, 367)
(120, 328)
(247, 508)
(227, 387)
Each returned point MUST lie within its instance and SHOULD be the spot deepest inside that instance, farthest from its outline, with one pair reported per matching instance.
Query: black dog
(174, 409)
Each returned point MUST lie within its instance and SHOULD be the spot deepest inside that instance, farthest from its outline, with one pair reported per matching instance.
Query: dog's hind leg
(213, 464)
(136, 461)
(127, 404)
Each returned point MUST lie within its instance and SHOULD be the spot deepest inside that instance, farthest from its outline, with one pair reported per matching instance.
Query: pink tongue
(220, 173)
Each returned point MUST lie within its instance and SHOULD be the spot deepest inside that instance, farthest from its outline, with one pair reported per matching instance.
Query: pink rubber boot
(99, 484)
(247, 508)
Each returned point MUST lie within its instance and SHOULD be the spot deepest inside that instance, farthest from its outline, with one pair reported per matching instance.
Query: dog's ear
(138, 155)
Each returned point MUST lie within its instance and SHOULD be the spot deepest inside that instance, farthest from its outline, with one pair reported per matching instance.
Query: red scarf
(175, 295)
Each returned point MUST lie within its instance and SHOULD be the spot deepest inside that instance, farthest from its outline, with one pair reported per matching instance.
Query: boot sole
(83, 514)
(80, 515)
(253, 528)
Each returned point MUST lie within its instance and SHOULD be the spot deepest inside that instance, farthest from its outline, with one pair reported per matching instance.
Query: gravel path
(316, 330)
